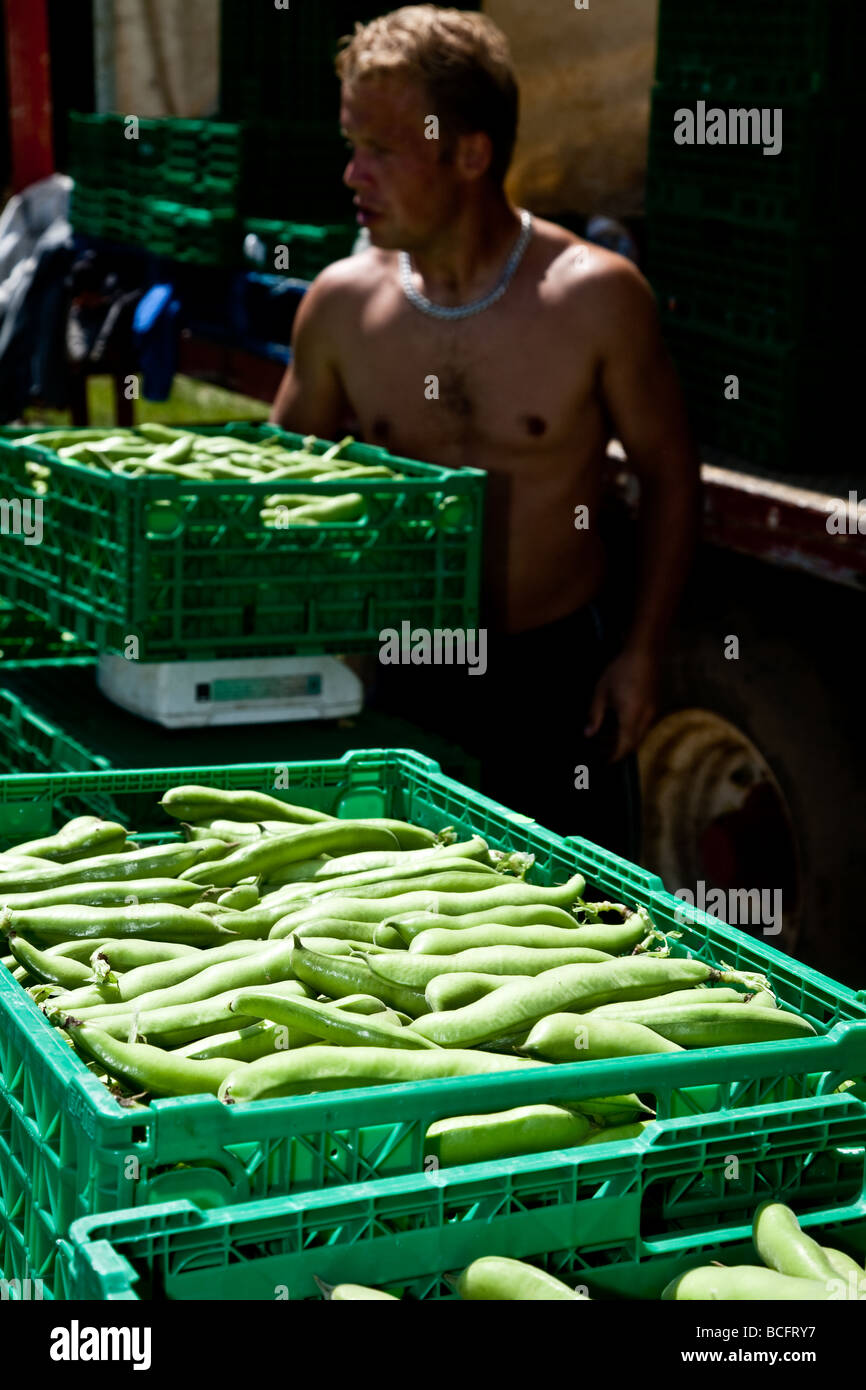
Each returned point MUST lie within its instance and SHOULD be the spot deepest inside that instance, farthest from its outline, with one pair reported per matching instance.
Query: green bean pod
(263, 856)
(453, 991)
(457, 876)
(305, 871)
(438, 941)
(243, 1044)
(360, 932)
(610, 1112)
(720, 1025)
(326, 1022)
(411, 923)
(51, 970)
(325, 1068)
(584, 1038)
(83, 836)
(719, 994)
(528, 1129)
(16, 862)
(166, 921)
(615, 1134)
(496, 1278)
(240, 898)
(386, 911)
(177, 1024)
(219, 973)
(517, 1007)
(359, 1293)
(408, 836)
(338, 976)
(416, 971)
(120, 954)
(843, 1267)
(144, 1069)
(783, 1246)
(446, 875)
(367, 1004)
(218, 830)
(163, 974)
(194, 803)
(155, 861)
(472, 849)
(111, 893)
(745, 1284)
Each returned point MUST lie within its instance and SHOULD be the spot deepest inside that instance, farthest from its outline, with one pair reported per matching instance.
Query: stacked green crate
(25, 636)
(171, 186)
(277, 74)
(295, 248)
(629, 1218)
(222, 584)
(741, 241)
(65, 1140)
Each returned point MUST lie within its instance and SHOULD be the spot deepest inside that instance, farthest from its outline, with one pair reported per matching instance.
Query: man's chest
(448, 391)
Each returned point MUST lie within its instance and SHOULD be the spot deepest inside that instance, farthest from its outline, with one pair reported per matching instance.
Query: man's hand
(628, 687)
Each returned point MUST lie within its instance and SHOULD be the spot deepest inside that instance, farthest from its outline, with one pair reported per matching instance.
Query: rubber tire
(793, 631)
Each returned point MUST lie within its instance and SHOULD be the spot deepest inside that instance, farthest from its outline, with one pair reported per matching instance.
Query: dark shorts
(524, 720)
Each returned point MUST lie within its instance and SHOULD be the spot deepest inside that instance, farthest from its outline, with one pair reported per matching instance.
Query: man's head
(429, 104)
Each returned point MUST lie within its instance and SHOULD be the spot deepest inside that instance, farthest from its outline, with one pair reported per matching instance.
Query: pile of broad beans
(795, 1268)
(153, 450)
(278, 951)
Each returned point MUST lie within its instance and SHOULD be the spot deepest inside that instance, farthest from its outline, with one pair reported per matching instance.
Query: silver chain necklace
(464, 311)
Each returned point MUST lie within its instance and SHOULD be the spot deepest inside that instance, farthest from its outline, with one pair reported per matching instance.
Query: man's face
(403, 190)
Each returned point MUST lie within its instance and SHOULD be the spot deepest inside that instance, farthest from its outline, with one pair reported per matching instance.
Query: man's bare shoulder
(580, 274)
(354, 277)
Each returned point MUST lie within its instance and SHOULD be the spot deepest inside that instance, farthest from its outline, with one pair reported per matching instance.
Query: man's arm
(642, 396)
(311, 398)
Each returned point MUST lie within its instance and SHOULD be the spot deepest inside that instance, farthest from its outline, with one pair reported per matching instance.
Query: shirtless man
(531, 388)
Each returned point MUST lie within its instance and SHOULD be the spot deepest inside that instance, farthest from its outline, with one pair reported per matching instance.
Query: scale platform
(200, 694)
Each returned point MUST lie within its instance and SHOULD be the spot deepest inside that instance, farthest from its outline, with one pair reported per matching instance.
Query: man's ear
(474, 155)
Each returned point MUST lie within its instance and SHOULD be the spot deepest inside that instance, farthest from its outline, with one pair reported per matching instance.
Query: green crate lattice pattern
(802, 189)
(784, 399)
(622, 1220)
(64, 1141)
(224, 584)
(786, 48)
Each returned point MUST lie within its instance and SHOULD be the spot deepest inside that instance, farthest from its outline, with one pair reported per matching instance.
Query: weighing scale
(197, 694)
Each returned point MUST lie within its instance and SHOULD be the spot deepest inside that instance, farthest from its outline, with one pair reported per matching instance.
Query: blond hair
(462, 59)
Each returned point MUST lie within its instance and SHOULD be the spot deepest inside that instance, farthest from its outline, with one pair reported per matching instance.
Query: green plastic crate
(32, 744)
(722, 277)
(803, 189)
(29, 743)
(65, 697)
(25, 637)
(785, 412)
(224, 585)
(310, 248)
(617, 1221)
(191, 235)
(786, 47)
(68, 1149)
